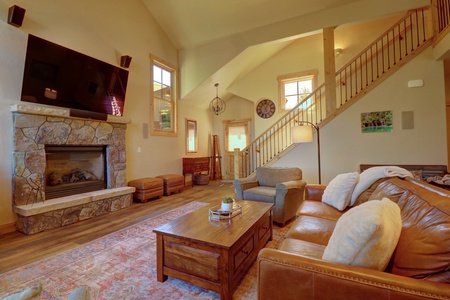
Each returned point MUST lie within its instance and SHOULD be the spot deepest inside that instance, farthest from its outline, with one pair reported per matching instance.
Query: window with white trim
(294, 89)
(164, 98)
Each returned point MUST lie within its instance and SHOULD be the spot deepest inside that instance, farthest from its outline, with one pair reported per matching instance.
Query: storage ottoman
(147, 188)
(172, 183)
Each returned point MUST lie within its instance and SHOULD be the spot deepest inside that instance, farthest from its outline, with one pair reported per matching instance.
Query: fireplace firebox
(72, 170)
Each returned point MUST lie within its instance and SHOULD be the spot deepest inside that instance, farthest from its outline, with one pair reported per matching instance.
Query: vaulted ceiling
(196, 24)
(191, 23)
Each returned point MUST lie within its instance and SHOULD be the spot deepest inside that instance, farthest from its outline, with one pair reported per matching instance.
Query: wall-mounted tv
(55, 75)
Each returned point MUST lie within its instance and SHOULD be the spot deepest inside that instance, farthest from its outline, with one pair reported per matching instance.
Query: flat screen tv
(55, 75)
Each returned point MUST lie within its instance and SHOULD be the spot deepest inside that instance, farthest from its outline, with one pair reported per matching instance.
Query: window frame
(295, 77)
(155, 61)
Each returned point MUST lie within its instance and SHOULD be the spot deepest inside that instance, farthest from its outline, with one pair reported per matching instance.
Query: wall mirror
(191, 136)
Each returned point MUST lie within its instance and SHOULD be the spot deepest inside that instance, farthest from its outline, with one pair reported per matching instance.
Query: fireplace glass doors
(74, 170)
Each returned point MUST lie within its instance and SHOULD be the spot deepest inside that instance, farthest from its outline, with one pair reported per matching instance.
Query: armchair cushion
(339, 191)
(271, 176)
(366, 235)
(260, 193)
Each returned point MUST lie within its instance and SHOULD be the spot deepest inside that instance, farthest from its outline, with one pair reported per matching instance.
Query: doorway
(236, 136)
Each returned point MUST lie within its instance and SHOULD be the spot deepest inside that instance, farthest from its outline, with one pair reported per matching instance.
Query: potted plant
(227, 204)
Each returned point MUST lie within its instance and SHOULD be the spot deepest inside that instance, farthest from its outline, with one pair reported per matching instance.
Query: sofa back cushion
(271, 176)
(424, 245)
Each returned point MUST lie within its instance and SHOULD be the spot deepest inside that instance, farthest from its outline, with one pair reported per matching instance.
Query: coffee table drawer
(244, 252)
(190, 260)
(264, 227)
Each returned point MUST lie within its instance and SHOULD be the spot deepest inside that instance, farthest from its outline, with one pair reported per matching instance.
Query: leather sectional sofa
(419, 267)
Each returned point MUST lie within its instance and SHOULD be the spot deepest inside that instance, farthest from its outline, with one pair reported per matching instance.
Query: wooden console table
(192, 165)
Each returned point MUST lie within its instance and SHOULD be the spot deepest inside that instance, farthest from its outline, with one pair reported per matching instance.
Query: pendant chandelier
(217, 105)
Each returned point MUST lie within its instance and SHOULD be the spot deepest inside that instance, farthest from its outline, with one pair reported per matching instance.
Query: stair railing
(369, 68)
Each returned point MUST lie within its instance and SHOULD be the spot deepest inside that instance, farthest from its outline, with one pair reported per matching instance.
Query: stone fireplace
(54, 151)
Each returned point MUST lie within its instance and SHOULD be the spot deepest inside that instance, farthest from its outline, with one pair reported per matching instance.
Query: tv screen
(56, 75)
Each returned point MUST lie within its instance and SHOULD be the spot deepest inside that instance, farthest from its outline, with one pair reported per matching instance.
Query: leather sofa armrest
(283, 275)
(314, 192)
(242, 184)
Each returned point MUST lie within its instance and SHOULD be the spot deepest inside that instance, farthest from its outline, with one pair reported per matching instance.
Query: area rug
(121, 265)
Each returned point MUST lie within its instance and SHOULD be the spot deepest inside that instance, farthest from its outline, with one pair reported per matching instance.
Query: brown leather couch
(418, 269)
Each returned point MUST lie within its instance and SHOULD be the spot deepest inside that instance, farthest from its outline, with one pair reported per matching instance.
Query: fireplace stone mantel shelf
(35, 127)
(57, 112)
(71, 201)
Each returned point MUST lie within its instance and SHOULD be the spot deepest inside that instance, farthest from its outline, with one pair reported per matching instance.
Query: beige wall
(104, 29)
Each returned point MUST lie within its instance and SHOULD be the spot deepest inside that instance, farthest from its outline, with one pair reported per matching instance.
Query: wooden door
(236, 136)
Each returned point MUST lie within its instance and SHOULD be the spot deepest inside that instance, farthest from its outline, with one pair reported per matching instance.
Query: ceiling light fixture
(217, 105)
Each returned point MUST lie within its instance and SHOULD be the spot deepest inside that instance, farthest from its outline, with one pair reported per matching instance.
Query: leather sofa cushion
(304, 248)
(424, 245)
(312, 229)
(314, 191)
(272, 176)
(365, 196)
(319, 209)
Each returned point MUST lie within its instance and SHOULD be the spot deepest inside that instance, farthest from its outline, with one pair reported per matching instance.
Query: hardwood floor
(17, 249)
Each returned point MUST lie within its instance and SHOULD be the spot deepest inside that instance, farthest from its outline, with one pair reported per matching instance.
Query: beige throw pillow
(80, 293)
(32, 293)
(366, 235)
(339, 191)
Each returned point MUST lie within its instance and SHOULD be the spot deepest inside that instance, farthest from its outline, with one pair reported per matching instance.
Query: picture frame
(379, 121)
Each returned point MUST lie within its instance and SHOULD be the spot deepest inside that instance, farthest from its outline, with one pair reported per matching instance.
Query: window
(164, 98)
(236, 134)
(294, 88)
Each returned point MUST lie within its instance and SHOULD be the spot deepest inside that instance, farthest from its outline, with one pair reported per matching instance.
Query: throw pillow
(80, 293)
(28, 294)
(366, 235)
(339, 190)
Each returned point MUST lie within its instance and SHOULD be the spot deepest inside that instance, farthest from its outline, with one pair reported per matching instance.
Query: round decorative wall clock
(265, 108)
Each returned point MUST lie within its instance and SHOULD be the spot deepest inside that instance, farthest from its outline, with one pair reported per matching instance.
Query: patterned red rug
(121, 265)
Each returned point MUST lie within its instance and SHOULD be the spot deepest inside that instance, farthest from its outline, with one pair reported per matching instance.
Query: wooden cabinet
(192, 165)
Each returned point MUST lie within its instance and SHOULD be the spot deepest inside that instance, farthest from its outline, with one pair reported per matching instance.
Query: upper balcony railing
(370, 67)
(441, 19)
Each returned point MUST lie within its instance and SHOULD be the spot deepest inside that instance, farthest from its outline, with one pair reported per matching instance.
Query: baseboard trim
(7, 228)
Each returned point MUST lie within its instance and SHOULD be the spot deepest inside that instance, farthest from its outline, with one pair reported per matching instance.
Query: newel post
(237, 163)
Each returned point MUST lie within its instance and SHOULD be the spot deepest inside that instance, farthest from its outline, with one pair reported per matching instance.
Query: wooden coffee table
(213, 254)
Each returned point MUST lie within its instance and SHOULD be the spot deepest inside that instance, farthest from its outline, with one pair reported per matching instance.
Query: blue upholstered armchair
(283, 187)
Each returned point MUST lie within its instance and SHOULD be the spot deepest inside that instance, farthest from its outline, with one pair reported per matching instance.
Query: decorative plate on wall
(265, 108)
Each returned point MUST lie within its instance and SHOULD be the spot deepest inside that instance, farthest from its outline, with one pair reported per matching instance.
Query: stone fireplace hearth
(37, 127)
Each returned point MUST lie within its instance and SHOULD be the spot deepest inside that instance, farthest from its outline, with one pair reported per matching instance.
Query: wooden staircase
(392, 50)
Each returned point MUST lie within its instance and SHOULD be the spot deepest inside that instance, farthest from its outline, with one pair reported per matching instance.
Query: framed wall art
(380, 121)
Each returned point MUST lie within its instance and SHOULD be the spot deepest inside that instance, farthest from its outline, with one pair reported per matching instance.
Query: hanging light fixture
(217, 105)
